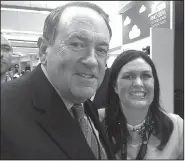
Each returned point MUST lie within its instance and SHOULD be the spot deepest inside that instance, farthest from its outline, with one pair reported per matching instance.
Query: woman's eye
(146, 76)
(128, 77)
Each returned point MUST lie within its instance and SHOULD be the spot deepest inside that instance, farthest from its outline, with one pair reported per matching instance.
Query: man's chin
(85, 93)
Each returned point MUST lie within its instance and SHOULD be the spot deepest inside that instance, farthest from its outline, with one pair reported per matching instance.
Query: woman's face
(135, 84)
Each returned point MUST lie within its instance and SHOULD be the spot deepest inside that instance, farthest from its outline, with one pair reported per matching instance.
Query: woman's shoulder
(178, 124)
(177, 135)
(177, 120)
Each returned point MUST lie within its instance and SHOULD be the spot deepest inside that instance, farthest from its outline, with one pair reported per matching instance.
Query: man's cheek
(60, 50)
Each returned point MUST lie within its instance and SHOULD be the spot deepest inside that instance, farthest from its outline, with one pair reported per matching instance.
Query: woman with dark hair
(136, 125)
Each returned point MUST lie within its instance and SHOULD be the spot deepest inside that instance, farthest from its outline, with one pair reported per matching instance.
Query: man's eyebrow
(104, 43)
(84, 37)
(6, 45)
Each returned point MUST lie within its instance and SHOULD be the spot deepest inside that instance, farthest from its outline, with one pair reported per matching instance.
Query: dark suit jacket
(100, 98)
(35, 124)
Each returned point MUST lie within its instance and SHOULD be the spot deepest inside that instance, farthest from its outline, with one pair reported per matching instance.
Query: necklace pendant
(145, 142)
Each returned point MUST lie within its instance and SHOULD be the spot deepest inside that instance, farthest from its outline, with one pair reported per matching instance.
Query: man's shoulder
(15, 90)
(13, 84)
(20, 83)
(15, 94)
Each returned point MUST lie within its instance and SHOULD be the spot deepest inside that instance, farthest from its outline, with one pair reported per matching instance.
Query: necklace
(135, 128)
(144, 129)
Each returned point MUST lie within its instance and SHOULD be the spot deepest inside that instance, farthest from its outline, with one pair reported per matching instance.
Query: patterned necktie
(79, 115)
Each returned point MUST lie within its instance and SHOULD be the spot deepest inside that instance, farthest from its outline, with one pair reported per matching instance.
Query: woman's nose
(138, 81)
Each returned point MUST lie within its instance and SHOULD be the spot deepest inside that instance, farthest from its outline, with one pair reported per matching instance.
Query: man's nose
(90, 58)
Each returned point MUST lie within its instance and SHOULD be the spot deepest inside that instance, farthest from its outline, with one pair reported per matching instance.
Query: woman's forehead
(137, 65)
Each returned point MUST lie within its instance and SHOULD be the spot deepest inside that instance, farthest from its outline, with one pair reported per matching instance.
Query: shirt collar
(67, 103)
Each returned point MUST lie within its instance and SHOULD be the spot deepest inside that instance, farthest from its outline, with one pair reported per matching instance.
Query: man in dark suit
(100, 98)
(6, 58)
(37, 121)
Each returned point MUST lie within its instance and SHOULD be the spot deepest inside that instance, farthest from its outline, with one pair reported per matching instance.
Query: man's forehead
(72, 11)
(83, 20)
(81, 15)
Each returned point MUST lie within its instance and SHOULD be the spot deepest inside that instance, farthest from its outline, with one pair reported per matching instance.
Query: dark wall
(179, 59)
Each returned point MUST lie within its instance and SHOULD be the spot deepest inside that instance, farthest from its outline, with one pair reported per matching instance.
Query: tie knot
(77, 105)
(78, 111)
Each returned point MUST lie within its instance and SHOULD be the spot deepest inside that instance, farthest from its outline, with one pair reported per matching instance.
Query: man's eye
(77, 45)
(6, 48)
(101, 51)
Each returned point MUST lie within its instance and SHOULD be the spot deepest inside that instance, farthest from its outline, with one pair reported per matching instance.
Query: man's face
(76, 62)
(6, 54)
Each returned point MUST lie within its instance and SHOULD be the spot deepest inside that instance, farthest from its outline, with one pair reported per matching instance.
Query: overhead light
(20, 32)
(24, 10)
(22, 38)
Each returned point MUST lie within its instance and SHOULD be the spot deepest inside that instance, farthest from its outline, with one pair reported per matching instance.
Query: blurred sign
(161, 15)
(139, 16)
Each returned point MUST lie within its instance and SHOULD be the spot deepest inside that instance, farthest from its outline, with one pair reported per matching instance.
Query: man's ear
(43, 47)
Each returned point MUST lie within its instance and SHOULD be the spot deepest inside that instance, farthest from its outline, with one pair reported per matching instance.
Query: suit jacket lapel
(56, 121)
(90, 110)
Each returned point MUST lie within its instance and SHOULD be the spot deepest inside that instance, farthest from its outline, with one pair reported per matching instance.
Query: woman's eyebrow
(147, 71)
(127, 72)
(133, 71)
